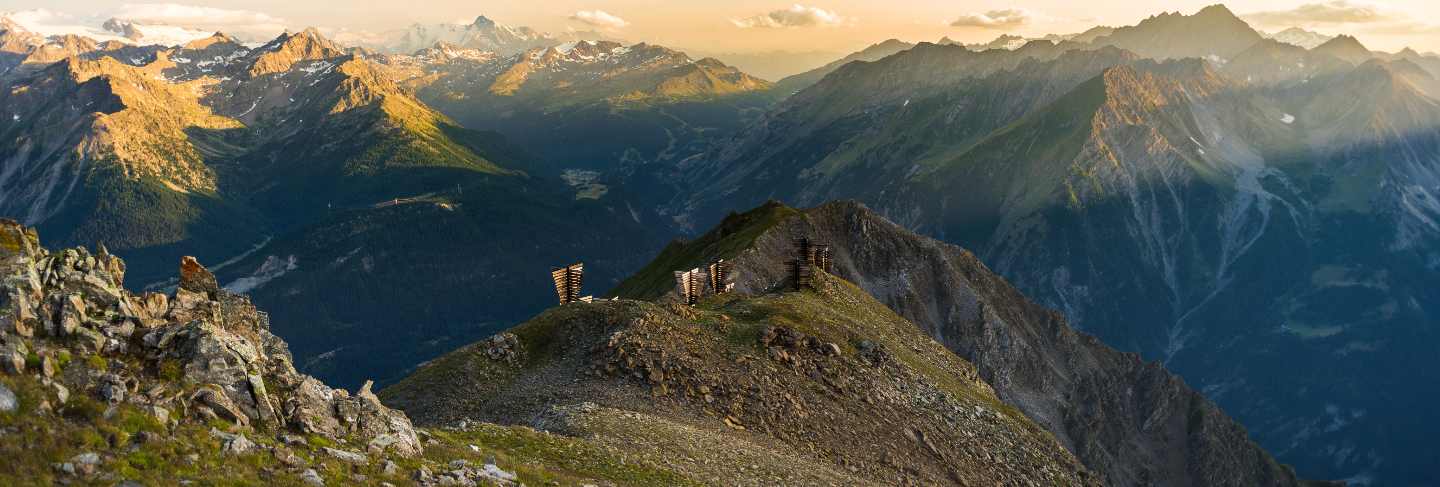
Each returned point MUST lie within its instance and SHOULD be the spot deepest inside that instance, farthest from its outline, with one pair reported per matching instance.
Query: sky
(761, 25)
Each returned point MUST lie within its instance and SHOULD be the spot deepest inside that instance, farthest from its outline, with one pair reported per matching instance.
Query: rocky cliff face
(1126, 418)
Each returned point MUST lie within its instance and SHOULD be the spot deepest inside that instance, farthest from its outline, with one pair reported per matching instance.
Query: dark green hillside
(735, 234)
(611, 136)
(383, 288)
(153, 225)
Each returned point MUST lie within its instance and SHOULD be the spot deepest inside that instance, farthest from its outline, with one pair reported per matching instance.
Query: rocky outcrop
(827, 385)
(201, 352)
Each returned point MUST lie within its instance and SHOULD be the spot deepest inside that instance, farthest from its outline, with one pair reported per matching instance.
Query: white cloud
(353, 37)
(1402, 28)
(599, 19)
(242, 23)
(165, 23)
(1348, 16)
(1334, 12)
(51, 23)
(795, 16)
(1007, 19)
(1331, 12)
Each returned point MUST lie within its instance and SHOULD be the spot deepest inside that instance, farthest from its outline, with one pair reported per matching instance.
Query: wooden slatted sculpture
(690, 285)
(568, 281)
(801, 268)
(820, 257)
(808, 258)
(720, 277)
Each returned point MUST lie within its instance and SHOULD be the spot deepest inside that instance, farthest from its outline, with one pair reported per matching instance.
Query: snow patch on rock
(272, 269)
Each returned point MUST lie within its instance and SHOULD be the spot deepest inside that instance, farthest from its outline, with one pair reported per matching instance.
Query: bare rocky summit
(820, 387)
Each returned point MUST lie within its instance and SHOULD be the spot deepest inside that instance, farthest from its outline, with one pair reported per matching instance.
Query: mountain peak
(217, 38)
(1347, 48)
(1214, 30)
(283, 52)
(312, 34)
(1300, 37)
(123, 27)
(483, 22)
(1344, 40)
(1218, 10)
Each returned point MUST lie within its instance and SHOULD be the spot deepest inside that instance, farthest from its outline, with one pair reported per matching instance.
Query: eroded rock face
(201, 351)
(1132, 421)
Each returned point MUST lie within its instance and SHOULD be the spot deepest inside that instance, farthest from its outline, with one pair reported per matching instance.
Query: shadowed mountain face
(1262, 223)
(1128, 419)
(793, 84)
(592, 112)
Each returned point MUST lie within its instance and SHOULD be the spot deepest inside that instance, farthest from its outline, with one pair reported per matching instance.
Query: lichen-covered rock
(8, 401)
(502, 347)
(196, 278)
(12, 358)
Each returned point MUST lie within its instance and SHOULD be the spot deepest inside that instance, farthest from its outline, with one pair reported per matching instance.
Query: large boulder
(196, 278)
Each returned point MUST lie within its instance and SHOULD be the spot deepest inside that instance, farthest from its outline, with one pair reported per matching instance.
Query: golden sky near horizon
(791, 25)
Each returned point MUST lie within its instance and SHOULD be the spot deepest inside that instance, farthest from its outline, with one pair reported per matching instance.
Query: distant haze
(762, 26)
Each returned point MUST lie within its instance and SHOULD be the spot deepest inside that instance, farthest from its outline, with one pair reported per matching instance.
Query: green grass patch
(170, 370)
(542, 458)
(96, 362)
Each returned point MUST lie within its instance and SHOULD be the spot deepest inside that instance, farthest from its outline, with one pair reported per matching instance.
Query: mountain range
(653, 98)
(221, 150)
(1255, 213)
(483, 34)
(1197, 209)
